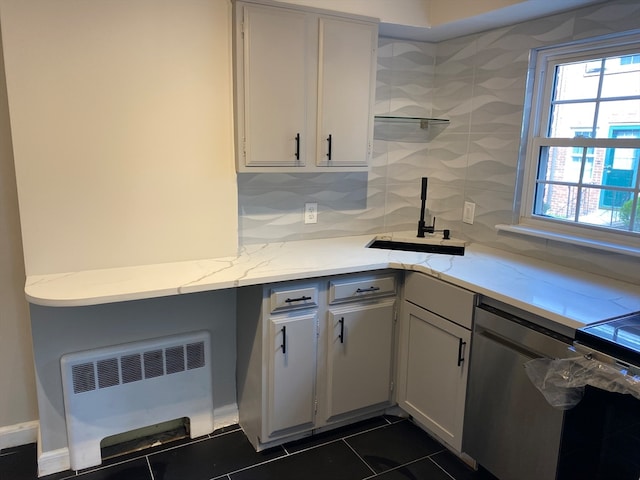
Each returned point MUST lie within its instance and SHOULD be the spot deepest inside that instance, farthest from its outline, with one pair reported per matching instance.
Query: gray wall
(59, 330)
(478, 82)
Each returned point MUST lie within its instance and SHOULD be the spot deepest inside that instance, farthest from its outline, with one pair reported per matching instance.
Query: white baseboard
(225, 416)
(19, 434)
(53, 461)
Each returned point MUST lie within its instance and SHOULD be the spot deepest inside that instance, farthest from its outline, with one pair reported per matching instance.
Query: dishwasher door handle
(461, 345)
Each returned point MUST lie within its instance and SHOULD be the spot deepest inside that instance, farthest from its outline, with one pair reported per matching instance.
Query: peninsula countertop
(570, 297)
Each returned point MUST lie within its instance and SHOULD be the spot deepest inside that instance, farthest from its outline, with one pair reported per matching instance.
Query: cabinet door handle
(370, 289)
(461, 345)
(299, 299)
(341, 336)
(297, 146)
(329, 141)
(284, 340)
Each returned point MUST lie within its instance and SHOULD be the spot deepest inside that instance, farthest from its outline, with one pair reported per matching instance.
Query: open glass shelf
(422, 121)
(407, 129)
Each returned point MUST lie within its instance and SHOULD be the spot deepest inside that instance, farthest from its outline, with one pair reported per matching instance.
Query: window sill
(571, 239)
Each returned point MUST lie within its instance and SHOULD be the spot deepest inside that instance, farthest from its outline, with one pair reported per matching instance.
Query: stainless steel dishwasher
(509, 427)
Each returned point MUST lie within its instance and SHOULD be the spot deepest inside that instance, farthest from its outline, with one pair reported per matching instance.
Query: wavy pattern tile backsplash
(478, 82)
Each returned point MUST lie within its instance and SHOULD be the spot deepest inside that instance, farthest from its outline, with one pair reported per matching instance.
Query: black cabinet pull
(329, 140)
(297, 146)
(461, 345)
(341, 336)
(370, 289)
(299, 299)
(284, 340)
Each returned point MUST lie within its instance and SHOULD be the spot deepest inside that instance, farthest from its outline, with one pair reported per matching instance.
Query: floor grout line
(344, 440)
(149, 465)
(233, 472)
(340, 438)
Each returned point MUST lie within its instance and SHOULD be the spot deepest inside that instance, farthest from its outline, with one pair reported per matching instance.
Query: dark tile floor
(384, 448)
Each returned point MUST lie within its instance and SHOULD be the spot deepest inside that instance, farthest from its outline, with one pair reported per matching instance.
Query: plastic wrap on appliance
(562, 381)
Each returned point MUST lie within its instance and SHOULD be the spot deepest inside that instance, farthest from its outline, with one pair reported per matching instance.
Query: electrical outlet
(310, 213)
(468, 212)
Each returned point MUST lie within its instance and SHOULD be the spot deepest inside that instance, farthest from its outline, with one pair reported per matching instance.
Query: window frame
(537, 108)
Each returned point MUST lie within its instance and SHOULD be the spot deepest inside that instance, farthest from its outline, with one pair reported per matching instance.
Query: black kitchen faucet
(422, 228)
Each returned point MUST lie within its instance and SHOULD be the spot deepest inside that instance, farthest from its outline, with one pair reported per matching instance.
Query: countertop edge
(517, 280)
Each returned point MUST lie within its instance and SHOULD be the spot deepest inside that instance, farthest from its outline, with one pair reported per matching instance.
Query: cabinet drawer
(361, 288)
(442, 298)
(290, 298)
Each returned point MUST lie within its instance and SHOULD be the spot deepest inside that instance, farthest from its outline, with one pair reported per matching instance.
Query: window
(583, 141)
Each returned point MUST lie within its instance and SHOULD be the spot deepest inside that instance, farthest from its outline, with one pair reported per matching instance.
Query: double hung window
(583, 141)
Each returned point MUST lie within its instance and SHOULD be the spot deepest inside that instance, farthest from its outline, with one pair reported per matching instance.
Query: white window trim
(541, 69)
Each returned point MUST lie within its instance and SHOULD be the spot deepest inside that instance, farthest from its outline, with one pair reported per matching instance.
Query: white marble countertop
(570, 297)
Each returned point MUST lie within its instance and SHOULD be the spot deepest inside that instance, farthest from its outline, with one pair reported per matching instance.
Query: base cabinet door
(291, 373)
(359, 356)
(432, 386)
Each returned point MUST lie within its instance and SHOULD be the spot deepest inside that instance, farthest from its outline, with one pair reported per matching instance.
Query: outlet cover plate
(310, 213)
(469, 212)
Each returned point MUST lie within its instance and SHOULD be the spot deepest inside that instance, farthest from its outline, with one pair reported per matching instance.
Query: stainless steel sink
(428, 245)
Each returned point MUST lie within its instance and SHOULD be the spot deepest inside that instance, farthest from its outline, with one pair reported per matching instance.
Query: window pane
(588, 155)
(629, 215)
(560, 164)
(566, 118)
(556, 201)
(603, 207)
(622, 77)
(615, 113)
(575, 81)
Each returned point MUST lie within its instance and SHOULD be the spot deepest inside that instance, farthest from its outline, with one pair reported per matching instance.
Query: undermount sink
(430, 244)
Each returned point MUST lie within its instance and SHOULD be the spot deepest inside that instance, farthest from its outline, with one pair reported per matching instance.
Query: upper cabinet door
(347, 63)
(272, 130)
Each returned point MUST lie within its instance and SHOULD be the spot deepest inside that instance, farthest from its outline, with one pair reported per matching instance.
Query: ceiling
(516, 13)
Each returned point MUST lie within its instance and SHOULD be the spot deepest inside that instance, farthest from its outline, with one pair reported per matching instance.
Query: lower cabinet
(291, 373)
(435, 338)
(312, 355)
(359, 353)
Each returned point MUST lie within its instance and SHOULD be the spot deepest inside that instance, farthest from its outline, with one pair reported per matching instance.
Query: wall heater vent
(129, 368)
(120, 388)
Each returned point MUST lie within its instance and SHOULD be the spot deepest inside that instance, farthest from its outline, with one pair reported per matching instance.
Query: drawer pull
(341, 336)
(284, 340)
(299, 299)
(366, 290)
(461, 345)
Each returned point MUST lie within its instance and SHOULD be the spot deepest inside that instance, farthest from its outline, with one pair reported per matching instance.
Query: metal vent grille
(153, 364)
(129, 368)
(195, 355)
(84, 378)
(108, 374)
(174, 360)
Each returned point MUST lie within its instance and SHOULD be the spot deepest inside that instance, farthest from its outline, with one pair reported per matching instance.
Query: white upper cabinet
(274, 118)
(345, 92)
(305, 86)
